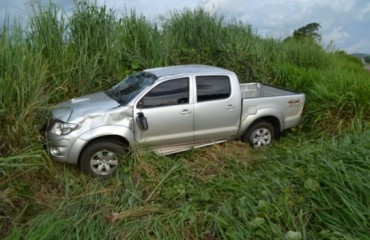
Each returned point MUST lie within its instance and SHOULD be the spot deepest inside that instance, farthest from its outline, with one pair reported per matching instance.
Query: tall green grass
(22, 90)
(317, 190)
(141, 43)
(184, 30)
(306, 185)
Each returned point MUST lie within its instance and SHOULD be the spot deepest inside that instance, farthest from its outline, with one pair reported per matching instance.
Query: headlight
(62, 128)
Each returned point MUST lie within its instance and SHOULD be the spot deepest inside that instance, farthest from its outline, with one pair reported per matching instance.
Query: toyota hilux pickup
(169, 110)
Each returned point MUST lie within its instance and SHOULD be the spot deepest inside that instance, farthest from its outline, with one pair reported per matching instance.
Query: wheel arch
(123, 134)
(115, 138)
(273, 120)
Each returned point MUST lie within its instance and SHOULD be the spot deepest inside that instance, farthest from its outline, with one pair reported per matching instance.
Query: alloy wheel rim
(103, 162)
(261, 137)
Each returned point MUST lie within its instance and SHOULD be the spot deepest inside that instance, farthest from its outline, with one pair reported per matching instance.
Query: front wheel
(259, 134)
(101, 158)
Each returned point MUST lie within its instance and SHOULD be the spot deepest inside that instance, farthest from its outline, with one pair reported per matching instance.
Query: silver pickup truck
(168, 109)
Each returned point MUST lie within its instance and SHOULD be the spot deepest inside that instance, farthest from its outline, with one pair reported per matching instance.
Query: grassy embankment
(313, 183)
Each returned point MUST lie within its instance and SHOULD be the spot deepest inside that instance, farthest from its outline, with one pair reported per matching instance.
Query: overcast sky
(345, 22)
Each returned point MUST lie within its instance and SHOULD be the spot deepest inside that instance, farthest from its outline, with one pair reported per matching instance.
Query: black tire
(101, 158)
(259, 134)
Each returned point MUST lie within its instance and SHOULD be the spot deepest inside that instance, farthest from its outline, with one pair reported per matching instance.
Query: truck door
(217, 108)
(168, 112)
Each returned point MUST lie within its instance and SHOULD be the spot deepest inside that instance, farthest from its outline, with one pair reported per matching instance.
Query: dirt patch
(367, 67)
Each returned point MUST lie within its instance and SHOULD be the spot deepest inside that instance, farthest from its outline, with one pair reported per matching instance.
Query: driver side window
(169, 93)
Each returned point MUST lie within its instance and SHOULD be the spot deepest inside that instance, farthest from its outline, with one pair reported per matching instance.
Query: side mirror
(141, 121)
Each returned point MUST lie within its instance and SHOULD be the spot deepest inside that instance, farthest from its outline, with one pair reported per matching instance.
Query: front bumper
(59, 146)
(64, 148)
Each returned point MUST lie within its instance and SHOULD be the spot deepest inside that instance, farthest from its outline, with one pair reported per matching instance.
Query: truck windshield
(126, 90)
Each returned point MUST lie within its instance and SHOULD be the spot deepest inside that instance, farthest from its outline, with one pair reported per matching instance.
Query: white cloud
(337, 35)
(212, 5)
(340, 6)
(361, 46)
(364, 12)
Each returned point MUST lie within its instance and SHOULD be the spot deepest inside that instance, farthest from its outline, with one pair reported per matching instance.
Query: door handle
(185, 111)
(230, 106)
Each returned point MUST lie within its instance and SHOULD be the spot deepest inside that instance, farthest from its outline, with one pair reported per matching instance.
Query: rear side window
(212, 88)
(172, 92)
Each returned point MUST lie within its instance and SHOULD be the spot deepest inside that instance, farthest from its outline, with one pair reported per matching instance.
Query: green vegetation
(311, 30)
(367, 58)
(312, 184)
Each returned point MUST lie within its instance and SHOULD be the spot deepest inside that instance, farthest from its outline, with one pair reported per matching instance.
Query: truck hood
(96, 103)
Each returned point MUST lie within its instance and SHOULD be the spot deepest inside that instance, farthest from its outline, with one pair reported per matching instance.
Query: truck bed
(264, 100)
(255, 90)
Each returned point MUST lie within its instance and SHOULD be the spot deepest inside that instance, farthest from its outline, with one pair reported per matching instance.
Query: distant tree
(367, 58)
(309, 33)
(311, 30)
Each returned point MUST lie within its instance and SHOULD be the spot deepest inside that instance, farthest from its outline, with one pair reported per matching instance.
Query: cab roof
(186, 69)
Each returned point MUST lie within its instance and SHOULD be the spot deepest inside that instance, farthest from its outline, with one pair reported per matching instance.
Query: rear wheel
(259, 134)
(101, 158)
